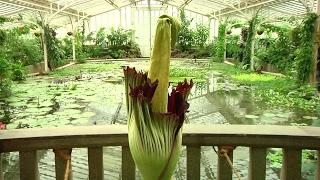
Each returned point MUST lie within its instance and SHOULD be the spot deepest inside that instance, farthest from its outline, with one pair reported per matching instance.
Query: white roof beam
(186, 2)
(43, 6)
(233, 7)
(63, 8)
(111, 2)
(305, 4)
(251, 6)
(21, 6)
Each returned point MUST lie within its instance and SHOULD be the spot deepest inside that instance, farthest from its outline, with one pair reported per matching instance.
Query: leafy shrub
(67, 47)
(220, 43)
(232, 46)
(18, 72)
(5, 74)
(201, 35)
(304, 55)
(186, 35)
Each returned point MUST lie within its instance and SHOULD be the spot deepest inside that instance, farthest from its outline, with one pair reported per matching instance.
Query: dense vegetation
(192, 43)
(17, 49)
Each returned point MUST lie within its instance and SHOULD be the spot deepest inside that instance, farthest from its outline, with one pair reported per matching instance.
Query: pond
(96, 97)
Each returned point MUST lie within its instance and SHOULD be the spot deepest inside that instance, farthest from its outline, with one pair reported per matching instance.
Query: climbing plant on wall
(304, 56)
(247, 56)
(55, 52)
(220, 45)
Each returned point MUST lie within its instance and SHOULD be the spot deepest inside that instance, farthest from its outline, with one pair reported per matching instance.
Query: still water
(97, 99)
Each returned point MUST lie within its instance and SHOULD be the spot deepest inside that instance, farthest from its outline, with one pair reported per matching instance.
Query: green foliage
(232, 46)
(121, 44)
(304, 53)
(250, 38)
(201, 35)
(101, 37)
(220, 44)
(67, 46)
(5, 75)
(55, 52)
(18, 72)
(186, 35)
(272, 90)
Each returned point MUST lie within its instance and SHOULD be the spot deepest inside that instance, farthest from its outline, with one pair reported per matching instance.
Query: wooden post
(257, 164)
(128, 167)
(63, 164)
(193, 162)
(224, 169)
(1, 168)
(291, 164)
(318, 166)
(95, 161)
(29, 165)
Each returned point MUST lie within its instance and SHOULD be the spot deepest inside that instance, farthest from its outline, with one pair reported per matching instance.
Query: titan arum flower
(155, 118)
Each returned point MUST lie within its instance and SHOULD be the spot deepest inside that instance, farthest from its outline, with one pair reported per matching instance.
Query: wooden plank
(193, 162)
(318, 165)
(257, 164)
(224, 168)
(1, 168)
(291, 164)
(28, 165)
(95, 161)
(194, 135)
(62, 164)
(128, 167)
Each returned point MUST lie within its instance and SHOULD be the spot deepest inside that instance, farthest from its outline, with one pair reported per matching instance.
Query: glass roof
(211, 8)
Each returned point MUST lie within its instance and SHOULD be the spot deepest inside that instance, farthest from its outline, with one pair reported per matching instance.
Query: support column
(45, 51)
(133, 18)
(74, 29)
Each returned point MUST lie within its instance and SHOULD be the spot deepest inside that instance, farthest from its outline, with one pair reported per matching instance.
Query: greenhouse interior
(159, 89)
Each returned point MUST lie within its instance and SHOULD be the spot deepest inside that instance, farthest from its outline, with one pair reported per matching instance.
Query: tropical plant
(18, 72)
(154, 119)
(55, 52)
(186, 35)
(201, 35)
(304, 55)
(220, 43)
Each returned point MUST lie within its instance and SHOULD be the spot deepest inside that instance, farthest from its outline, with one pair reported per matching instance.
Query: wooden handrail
(291, 138)
(193, 135)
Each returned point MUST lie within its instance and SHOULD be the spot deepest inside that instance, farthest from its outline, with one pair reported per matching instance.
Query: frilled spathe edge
(142, 89)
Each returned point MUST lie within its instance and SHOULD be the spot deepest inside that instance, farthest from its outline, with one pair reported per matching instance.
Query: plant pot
(259, 32)
(54, 33)
(37, 34)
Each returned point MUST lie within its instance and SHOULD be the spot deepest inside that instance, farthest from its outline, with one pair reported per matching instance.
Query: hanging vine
(247, 56)
(304, 55)
(220, 46)
(55, 52)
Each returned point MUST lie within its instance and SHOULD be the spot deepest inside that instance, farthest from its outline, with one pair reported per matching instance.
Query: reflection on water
(215, 101)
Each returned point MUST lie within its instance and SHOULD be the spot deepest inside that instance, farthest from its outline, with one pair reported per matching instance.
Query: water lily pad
(310, 117)
(87, 114)
(249, 116)
(67, 112)
(269, 114)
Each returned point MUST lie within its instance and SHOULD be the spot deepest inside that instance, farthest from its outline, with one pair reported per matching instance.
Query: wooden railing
(258, 138)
